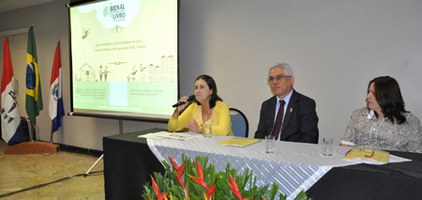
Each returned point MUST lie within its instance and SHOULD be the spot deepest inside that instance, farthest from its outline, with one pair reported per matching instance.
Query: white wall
(335, 48)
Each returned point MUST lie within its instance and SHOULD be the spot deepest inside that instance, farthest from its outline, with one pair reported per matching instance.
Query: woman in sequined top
(384, 123)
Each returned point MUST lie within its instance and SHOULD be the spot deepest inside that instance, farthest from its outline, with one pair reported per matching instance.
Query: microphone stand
(102, 155)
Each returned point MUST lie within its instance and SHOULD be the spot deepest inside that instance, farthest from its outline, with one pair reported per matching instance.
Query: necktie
(279, 120)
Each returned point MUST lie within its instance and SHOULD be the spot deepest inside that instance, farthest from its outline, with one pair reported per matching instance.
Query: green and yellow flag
(33, 101)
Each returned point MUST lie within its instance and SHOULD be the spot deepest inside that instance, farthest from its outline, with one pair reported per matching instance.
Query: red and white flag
(12, 131)
(56, 108)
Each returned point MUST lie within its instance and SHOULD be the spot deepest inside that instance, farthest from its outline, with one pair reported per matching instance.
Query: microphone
(190, 98)
(370, 114)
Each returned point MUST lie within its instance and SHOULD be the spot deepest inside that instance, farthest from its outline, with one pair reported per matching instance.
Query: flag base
(36, 147)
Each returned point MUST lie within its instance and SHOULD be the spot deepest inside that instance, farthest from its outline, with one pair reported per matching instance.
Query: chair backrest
(240, 125)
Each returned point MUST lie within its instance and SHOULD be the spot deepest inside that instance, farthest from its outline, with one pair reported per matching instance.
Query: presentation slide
(124, 58)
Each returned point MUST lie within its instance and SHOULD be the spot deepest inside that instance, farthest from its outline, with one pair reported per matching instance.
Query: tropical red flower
(201, 181)
(210, 189)
(200, 178)
(233, 186)
(160, 196)
(179, 170)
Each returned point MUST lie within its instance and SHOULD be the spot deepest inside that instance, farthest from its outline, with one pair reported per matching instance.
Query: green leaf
(301, 196)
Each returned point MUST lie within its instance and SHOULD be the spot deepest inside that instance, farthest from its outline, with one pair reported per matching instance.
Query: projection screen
(124, 58)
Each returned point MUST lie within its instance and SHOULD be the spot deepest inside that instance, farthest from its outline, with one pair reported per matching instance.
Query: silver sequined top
(382, 134)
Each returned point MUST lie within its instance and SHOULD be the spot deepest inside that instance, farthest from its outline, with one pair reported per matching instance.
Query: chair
(240, 125)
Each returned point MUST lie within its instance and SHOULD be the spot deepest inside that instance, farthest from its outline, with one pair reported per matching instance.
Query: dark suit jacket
(300, 121)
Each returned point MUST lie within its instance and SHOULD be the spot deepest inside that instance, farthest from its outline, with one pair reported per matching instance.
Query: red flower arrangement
(196, 179)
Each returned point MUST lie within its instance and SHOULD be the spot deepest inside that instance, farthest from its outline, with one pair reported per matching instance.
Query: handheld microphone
(190, 98)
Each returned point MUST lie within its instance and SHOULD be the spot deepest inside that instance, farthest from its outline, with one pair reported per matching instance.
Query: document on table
(171, 135)
(372, 156)
(239, 142)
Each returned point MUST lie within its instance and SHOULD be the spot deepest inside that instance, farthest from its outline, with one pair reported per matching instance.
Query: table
(128, 162)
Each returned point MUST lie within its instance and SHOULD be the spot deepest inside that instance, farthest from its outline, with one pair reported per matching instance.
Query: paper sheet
(170, 135)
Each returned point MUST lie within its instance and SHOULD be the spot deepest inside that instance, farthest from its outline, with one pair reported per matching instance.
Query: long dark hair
(388, 95)
(213, 86)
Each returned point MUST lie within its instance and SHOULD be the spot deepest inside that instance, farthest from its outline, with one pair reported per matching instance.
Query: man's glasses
(277, 78)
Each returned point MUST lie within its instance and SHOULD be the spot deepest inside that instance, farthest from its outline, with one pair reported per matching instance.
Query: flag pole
(33, 133)
(51, 133)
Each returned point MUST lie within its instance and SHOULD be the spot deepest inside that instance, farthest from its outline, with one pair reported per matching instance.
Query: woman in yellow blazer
(206, 107)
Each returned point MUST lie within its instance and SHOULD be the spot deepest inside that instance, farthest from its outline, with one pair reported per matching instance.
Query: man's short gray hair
(285, 66)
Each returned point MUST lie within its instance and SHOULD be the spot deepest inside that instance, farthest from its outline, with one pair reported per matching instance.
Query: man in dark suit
(299, 120)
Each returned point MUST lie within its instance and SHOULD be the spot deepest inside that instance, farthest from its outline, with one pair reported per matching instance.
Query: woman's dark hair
(213, 86)
(388, 95)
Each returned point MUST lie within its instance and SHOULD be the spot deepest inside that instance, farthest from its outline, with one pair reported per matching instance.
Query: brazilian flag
(33, 103)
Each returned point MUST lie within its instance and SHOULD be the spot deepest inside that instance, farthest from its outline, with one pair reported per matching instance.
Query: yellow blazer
(221, 121)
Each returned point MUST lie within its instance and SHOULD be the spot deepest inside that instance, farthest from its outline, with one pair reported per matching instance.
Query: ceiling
(8, 5)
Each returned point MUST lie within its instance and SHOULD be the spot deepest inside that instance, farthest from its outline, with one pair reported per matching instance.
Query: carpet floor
(50, 176)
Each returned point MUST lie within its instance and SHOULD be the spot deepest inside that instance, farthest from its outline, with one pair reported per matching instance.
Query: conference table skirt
(128, 163)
